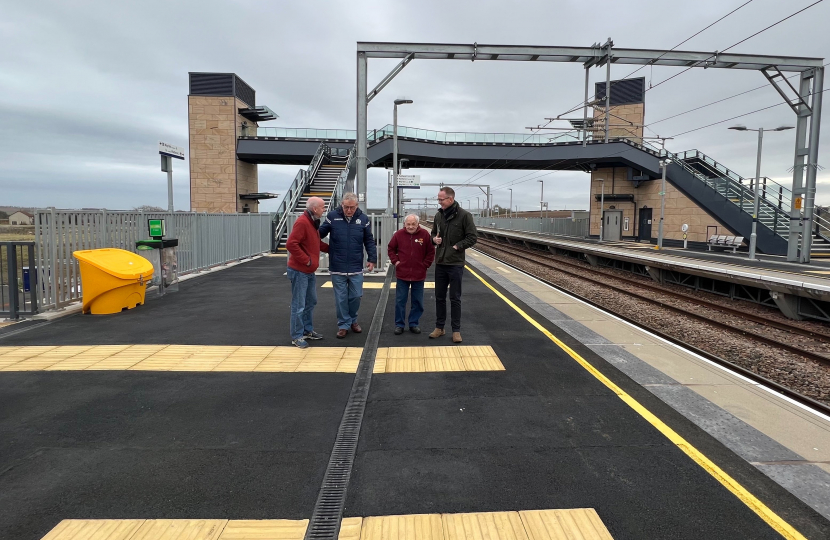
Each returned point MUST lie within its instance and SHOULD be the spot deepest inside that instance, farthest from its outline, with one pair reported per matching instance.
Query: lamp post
(541, 198)
(664, 164)
(753, 238)
(510, 208)
(395, 156)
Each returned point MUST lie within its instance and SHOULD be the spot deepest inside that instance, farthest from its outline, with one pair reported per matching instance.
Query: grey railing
(205, 240)
(383, 227)
(18, 280)
(576, 227)
(414, 133)
(301, 180)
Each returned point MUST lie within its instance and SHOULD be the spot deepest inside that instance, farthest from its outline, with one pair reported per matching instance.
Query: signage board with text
(171, 150)
(411, 181)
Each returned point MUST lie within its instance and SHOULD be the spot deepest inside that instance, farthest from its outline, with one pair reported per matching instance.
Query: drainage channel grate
(328, 511)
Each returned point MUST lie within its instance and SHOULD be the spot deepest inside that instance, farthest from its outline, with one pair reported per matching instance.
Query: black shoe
(415, 329)
(398, 330)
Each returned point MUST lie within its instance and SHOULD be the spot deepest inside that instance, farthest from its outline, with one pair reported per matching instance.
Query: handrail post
(11, 261)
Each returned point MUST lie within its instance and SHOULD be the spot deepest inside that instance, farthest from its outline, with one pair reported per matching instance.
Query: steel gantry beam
(807, 103)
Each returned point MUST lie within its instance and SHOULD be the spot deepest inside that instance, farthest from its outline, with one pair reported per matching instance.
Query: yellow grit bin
(112, 279)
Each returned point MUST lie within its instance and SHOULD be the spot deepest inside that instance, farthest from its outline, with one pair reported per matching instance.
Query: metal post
(388, 192)
(361, 143)
(601, 209)
(585, 110)
(803, 115)
(607, 90)
(395, 163)
(510, 208)
(11, 260)
(753, 238)
(664, 165)
(812, 161)
(541, 198)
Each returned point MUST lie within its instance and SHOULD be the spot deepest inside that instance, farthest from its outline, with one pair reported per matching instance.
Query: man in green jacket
(453, 232)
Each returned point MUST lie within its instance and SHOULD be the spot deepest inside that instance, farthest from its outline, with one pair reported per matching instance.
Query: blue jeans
(417, 308)
(347, 293)
(303, 300)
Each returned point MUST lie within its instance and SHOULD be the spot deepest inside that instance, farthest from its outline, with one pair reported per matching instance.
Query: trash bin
(112, 279)
(163, 254)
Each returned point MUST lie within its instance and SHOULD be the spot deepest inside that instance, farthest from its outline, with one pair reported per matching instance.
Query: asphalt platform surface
(544, 433)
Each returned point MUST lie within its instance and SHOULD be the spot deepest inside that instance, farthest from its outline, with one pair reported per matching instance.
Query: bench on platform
(725, 242)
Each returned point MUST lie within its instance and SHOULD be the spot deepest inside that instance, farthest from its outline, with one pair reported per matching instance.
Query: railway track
(542, 259)
(578, 271)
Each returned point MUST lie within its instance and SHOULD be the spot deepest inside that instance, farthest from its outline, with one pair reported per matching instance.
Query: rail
(18, 281)
(205, 240)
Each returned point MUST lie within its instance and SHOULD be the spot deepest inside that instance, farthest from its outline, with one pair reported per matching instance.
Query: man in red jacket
(304, 246)
(412, 252)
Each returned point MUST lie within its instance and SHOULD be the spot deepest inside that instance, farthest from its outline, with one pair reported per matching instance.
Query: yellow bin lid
(117, 262)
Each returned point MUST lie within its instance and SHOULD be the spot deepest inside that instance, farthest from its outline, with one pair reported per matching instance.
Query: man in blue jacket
(351, 232)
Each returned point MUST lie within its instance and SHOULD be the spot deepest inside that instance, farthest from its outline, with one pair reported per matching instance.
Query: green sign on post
(156, 227)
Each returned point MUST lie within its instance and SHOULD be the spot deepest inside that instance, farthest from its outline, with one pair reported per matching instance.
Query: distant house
(21, 218)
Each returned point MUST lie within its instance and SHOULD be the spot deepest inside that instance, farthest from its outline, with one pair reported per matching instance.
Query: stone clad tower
(222, 107)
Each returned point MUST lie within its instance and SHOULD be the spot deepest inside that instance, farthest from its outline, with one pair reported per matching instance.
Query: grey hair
(418, 219)
(349, 197)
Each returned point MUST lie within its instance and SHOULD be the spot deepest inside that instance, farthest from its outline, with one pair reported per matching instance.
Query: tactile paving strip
(250, 359)
(580, 523)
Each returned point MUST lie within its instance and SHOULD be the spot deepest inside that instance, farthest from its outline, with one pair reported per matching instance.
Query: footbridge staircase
(326, 177)
(731, 199)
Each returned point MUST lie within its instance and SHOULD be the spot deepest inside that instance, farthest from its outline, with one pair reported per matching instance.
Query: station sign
(410, 181)
(170, 150)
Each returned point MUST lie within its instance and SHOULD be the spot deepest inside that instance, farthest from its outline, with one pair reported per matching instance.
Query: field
(17, 232)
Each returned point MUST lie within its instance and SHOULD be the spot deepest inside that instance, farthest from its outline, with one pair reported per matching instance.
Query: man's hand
(455, 248)
(308, 263)
(397, 263)
(371, 267)
(437, 240)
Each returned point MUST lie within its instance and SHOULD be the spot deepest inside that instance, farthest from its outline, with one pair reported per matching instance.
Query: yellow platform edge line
(763, 511)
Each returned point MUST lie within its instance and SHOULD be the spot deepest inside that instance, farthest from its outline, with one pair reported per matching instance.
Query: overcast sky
(87, 89)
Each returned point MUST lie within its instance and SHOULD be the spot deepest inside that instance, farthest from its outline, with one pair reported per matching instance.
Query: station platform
(192, 417)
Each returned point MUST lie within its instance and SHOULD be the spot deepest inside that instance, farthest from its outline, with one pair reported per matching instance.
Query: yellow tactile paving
(256, 359)
(427, 359)
(411, 527)
(379, 285)
(576, 524)
(561, 524)
(488, 525)
(179, 529)
(94, 529)
(271, 529)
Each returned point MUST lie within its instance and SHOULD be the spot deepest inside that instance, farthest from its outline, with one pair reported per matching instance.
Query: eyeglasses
(442, 200)
(349, 207)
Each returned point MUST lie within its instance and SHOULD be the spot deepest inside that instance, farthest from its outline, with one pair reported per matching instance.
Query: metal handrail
(732, 189)
(340, 186)
(292, 196)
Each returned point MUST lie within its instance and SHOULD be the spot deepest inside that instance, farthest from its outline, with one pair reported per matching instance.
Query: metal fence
(555, 226)
(18, 287)
(205, 240)
(383, 227)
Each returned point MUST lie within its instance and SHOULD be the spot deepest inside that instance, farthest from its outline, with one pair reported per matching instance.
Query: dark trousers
(448, 276)
(401, 294)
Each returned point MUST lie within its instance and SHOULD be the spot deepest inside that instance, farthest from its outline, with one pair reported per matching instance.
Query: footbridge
(722, 193)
